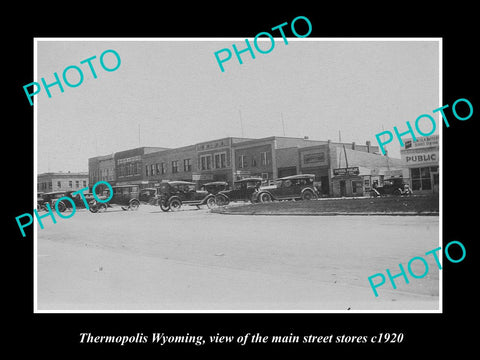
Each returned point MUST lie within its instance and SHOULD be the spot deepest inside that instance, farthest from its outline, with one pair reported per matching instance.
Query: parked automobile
(392, 187)
(52, 198)
(127, 196)
(215, 187)
(242, 190)
(40, 200)
(172, 195)
(147, 194)
(289, 188)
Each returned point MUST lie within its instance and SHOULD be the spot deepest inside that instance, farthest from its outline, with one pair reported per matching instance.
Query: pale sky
(175, 92)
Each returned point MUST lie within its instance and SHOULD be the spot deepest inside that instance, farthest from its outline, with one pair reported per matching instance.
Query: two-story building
(61, 181)
(172, 164)
(101, 168)
(129, 168)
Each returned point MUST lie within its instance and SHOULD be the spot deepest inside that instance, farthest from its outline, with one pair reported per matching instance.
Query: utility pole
(345, 151)
(283, 124)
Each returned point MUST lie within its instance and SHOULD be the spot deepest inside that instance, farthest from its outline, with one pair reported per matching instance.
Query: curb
(334, 213)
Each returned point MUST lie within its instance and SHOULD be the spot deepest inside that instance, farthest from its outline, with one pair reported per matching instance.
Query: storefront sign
(422, 142)
(346, 171)
(197, 177)
(314, 158)
(412, 158)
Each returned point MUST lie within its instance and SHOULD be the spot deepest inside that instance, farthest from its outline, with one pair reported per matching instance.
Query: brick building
(171, 164)
(61, 181)
(129, 167)
(101, 168)
(231, 158)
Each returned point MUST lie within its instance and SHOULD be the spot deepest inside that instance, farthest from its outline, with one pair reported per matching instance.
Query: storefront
(347, 182)
(421, 160)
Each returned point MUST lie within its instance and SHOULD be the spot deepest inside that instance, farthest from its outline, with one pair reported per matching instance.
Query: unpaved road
(196, 260)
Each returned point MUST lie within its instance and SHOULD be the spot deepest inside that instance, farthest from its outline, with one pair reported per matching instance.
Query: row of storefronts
(340, 169)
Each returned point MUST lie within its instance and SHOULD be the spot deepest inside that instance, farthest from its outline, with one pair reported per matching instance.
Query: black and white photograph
(297, 181)
(258, 188)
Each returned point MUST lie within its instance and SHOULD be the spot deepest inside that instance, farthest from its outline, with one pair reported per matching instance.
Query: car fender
(309, 189)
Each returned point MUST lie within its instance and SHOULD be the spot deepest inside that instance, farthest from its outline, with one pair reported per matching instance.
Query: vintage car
(124, 195)
(52, 198)
(215, 187)
(289, 188)
(40, 200)
(172, 195)
(242, 190)
(394, 186)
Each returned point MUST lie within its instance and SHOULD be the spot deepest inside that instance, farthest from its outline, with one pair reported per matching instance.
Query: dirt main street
(197, 260)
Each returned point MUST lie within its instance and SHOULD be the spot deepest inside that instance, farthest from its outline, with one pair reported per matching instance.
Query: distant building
(129, 165)
(61, 181)
(421, 159)
(171, 164)
(340, 169)
(101, 168)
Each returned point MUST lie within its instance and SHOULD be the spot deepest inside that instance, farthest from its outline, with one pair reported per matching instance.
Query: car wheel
(308, 195)
(164, 206)
(221, 200)
(61, 206)
(134, 205)
(265, 197)
(175, 204)
(211, 203)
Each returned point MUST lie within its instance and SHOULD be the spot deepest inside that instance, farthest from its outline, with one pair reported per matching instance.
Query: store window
(421, 178)
(357, 187)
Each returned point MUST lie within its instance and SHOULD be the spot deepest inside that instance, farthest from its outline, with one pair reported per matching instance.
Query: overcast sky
(176, 94)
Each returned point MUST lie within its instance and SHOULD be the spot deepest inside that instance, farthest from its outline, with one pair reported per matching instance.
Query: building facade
(129, 167)
(340, 169)
(172, 164)
(421, 163)
(101, 168)
(61, 181)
